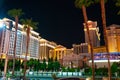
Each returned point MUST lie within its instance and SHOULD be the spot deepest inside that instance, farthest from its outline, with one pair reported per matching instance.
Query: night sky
(59, 20)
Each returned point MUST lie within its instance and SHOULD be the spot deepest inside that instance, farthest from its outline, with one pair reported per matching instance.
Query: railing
(39, 74)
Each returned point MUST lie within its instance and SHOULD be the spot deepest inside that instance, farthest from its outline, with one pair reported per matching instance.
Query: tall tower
(94, 33)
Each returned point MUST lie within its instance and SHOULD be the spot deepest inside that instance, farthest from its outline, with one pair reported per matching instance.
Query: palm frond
(29, 23)
(86, 3)
(15, 12)
(98, 1)
(118, 13)
(117, 3)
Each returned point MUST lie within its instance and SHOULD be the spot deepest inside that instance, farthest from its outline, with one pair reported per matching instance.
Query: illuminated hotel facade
(7, 37)
(80, 48)
(45, 47)
(59, 52)
(94, 33)
(100, 55)
(113, 35)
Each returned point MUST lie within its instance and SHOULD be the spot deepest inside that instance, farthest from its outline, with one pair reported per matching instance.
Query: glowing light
(105, 61)
(1, 25)
(88, 78)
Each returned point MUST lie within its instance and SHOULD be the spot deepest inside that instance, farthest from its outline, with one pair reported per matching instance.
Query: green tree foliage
(29, 23)
(10, 64)
(50, 64)
(118, 5)
(30, 63)
(98, 1)
(36, 65)
(15, 12)
(43, 65)
(17, 64)
(114, 67)
(80, 3)
(2, 64)
(56, 65)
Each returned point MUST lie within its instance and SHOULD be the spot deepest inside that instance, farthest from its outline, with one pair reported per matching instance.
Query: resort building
(113, 35)
(80, 48)
(45, 47)
(7, 38)
(94, 33)
(59, 52)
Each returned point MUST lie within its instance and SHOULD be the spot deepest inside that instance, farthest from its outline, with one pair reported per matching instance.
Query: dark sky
(59, 20)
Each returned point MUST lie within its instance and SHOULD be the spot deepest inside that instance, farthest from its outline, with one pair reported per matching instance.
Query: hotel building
(80, 48)
(44, 48)
(100, 55)
(59, 52)
(7, 37)
(94, 33)
(113, 35)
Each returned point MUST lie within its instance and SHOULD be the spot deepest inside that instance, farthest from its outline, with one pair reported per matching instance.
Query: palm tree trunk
(27, 46)
(6, 59)
(14, 54)
(91, 47)
(105, 35)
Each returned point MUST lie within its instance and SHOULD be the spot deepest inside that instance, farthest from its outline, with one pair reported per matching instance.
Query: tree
(118, 5)
(50, 64)
(10, 64)
(17, 64)
(102, 3)
(83, 4)
(30, 63)
(28, 25)
(56, 65)
(15, 13)
(36, 65)
(2, 62)
(114, 67)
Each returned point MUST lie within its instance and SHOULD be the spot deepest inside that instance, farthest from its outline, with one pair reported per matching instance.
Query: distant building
(75, 61)
(45, 46)
(59, 52)
(80, 48)
(113, 35)
(94, 34)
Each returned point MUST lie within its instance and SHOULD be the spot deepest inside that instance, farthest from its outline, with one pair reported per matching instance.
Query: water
(41, 79)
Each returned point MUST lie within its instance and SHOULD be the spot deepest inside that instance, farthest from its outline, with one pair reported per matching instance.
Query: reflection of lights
(88, 78)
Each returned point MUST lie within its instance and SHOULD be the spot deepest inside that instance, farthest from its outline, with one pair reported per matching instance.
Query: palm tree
(118, 5)
(83, 4)
(28, 25)
(105, 35)
(15, 13)
(102, 3)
